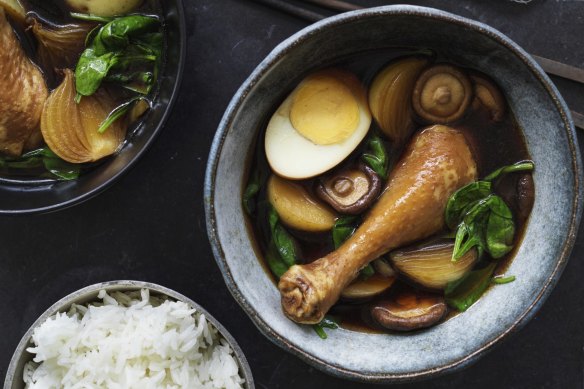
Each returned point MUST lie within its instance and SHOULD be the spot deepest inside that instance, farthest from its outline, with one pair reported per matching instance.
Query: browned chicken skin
(436, 163)
(22, 94)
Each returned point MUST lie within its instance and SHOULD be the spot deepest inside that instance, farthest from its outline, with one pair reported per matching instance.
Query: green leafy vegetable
(500, 228)
(502, 280)
(328, 322)
(275, 262)
(117, 113)
(283, 241)
(120, 45)
(256, 180)
(91, 18)
(481, 218)
(465, 292)
(461, 199)
(524, 166)
(343, 228)
(252, 189)
(376, 156)
(44, 158)
(367, 271)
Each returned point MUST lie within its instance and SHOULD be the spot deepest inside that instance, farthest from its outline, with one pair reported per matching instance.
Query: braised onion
(70, 128)
(59, 47)
(430, 265)
(390, 97)
(14, 9)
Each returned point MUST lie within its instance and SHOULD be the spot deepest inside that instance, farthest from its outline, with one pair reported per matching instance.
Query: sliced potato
(104, 7)
(297, 208)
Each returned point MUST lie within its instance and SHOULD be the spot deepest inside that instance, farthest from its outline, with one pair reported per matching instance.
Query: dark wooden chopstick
(337, 5)
(292, 9)
(549, 66)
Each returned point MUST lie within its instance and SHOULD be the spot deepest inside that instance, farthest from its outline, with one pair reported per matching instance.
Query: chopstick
(337, 5)
(292, 10)
(549, 66)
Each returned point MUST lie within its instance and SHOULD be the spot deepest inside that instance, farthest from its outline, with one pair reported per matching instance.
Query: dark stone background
(151, 226)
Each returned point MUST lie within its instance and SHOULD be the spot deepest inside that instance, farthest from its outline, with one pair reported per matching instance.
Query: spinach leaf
(116, 35)
(464, 293)
(327, 322)
(120, 44)
(376, 156)
(459, 202)
(92, 69)
(500, 228)
(367, 271)
(481, 218)
(517, 167)
(251, 190)
(343, 228)
(284, 243)
(43, 158)
(256, 180)
(502, 280)
(277, 266)
(488, 225)
(90, 17)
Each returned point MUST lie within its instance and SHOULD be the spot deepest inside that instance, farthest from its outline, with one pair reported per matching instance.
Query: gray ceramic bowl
(549, 236)
(82, 296)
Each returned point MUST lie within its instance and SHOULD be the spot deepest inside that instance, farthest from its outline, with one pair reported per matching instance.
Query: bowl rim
(182, 48)
(272, 59)
(129, 285)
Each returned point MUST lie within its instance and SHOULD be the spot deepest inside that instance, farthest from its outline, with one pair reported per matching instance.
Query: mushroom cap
(442, 94)
(409, 310)
(489, 96)
(350, 191)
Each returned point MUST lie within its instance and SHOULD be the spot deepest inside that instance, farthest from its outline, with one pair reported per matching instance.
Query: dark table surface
(151, 225)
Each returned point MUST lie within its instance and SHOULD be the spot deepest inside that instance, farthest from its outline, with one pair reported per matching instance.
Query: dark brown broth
(493, 144)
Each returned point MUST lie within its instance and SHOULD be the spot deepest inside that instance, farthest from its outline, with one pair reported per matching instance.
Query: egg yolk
(324, 110)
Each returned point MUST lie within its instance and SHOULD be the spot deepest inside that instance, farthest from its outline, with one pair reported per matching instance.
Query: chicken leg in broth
(437, 162)
(22, 94)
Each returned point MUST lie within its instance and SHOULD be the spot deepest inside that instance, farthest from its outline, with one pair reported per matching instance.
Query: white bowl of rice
(127, 335)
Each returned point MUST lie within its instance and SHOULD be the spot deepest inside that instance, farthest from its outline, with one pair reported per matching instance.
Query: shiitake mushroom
(408, 309)
(350, 191)
(489, 96)
(442, 94)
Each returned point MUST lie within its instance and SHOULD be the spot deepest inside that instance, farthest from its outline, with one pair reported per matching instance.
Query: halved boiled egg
(318, 125)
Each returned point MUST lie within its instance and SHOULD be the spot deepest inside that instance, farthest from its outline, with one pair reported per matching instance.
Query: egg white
(293, 156)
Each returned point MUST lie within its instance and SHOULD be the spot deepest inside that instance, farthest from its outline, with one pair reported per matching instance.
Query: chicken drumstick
(437, 162)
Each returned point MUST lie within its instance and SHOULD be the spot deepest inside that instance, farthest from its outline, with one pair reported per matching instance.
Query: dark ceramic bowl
(34, 196)
(550, 232)
(87, 295)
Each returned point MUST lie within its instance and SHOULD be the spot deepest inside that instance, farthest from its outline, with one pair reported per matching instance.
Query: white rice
(130, 340)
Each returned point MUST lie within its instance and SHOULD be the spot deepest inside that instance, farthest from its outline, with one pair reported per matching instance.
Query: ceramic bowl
(86, 295)
(550, 232)
(26, 196)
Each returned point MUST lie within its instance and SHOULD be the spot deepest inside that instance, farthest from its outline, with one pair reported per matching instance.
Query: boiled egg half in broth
(318, 125)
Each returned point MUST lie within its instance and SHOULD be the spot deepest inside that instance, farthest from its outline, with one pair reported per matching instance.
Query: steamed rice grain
(130, 340)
